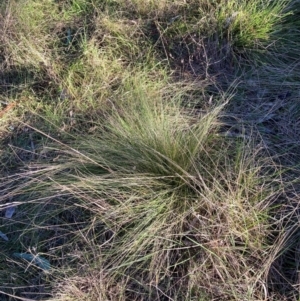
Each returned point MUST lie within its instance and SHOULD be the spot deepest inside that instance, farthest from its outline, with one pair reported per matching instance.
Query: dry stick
(71, 148)
(161, 37)
(7, 108)
(32, 146)
(15, 297)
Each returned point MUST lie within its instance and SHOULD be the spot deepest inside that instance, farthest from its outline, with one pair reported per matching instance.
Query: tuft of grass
(163, 194)
(249, 24)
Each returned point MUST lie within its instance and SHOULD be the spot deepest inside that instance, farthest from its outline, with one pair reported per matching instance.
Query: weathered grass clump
(171, 207)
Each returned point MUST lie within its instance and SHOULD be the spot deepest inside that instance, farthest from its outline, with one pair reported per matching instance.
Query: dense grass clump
(149, 150)
(170, 201)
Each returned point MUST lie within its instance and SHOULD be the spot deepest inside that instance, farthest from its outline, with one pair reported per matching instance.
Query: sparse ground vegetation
(149, 150)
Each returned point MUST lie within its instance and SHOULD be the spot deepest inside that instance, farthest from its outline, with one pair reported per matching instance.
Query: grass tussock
(157, 208)
(149, 150)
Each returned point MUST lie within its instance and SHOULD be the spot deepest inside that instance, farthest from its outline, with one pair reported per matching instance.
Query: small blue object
(68, 36)
(10, 211)
(3, 236)
(38, 260)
